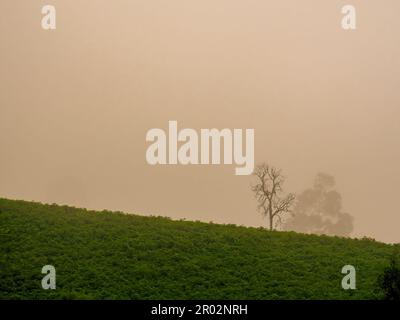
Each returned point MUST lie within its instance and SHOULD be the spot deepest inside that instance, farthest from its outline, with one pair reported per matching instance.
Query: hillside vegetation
(111, 255)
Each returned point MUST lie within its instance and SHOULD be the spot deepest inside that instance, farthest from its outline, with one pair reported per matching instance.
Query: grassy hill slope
(109, 255)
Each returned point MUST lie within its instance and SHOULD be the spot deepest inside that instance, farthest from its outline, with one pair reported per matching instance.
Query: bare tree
(268, 192)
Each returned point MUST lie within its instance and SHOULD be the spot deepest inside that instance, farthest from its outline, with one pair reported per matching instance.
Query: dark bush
(389, 280)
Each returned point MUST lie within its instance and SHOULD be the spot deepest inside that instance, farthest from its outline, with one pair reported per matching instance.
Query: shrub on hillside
(389, 280)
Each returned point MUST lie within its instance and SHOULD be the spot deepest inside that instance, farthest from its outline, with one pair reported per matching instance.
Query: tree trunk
(271, 216)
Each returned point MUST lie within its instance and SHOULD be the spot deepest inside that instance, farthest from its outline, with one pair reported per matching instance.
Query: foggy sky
(76, 103)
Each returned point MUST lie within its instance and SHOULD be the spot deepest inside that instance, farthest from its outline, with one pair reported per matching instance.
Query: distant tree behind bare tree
(269, 194)
(319, 210)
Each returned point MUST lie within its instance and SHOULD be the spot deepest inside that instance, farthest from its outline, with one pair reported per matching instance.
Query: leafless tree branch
(267, 191)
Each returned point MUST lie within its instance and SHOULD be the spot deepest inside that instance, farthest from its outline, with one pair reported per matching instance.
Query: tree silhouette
(268, 192)
(319, 210)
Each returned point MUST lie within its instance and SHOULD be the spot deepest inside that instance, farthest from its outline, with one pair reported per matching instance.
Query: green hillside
(111, 255)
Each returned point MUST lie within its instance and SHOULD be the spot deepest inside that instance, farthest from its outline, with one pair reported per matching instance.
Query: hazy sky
(76, 103)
